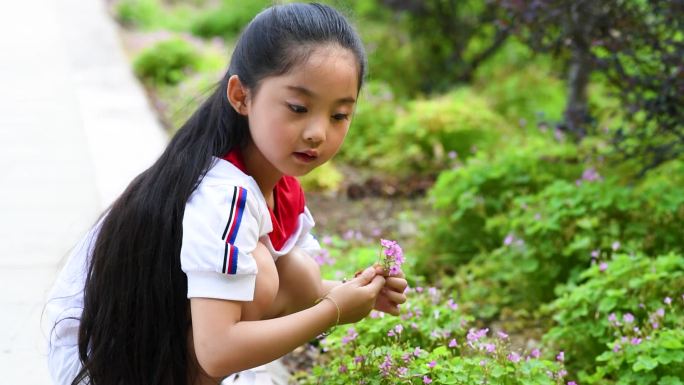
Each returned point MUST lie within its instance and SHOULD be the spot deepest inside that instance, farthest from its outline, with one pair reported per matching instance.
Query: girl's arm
(225, 345)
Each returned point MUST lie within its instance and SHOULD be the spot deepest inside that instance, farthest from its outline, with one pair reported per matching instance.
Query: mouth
(306, 156)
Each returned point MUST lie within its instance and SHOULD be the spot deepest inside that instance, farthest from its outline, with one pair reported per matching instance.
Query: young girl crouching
(200, 268)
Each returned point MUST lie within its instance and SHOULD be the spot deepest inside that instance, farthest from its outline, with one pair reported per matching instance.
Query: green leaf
(644, 363)
(669, 380)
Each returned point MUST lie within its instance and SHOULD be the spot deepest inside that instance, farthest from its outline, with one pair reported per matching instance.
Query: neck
(261, 170)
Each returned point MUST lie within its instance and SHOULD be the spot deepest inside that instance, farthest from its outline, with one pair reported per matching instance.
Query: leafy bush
(229, 19)
(528, 93)
(431, 341)
(485, 187)
(139, 13)
(323, 178)
(429, 130)
(167, 62)
(373, 119)
(153, 14)
(624, 323)
(553, 235)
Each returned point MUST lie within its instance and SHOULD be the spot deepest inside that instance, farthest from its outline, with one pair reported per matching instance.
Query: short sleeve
(306, 241)
(220, 231)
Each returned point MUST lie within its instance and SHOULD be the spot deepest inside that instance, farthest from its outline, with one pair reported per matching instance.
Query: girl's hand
(392, 294)
(356, 297)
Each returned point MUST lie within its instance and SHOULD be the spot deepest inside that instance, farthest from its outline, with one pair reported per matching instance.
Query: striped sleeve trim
(237, 208)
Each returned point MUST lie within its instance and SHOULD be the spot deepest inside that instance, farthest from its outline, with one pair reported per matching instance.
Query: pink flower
(453, 343)
(490, 348)
(343, 368)
(502, 335)
(474, 335)
(452, 305)
(562, 373)
(628, 318)
(572, 383)
(594, 253)
(660, 312)
(616, 348)
(386, 365)
(616, 245)
(603, 266)
(417, 351)
(351, 336)
(514, 357)
(399, 328)
(535, 353)
(427, 380)
(432, 364)
(509, 239)
(667, 300)
(561, 356)
(359, 359)
(635, 341)
(402, 371)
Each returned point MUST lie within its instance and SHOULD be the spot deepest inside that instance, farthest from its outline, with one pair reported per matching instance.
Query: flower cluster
(392, 256)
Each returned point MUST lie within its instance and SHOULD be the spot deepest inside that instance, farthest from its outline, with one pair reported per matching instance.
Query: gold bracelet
(329, 331)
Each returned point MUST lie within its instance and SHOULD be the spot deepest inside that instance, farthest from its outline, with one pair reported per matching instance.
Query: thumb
(376, 284)
(366, 276)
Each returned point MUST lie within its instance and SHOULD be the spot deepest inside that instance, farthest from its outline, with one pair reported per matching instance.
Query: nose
(315, 132)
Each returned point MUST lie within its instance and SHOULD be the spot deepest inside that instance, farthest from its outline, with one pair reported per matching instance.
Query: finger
(394, 297)
(365, 277)
(396, 284)
(376, 285)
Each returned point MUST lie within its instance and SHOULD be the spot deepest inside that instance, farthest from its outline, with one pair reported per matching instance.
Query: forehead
(328, 71)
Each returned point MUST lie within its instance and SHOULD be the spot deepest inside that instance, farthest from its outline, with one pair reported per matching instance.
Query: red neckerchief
(288, 199)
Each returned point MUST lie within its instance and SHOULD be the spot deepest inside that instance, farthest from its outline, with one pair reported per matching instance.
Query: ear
(237, 95)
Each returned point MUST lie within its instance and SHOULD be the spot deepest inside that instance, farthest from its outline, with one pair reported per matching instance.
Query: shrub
(323, 178)
(373, 119)
(229, 19)
(431, 341)
(167, 62)
(552, 236)
(624, 323)
(138, 13)
(429, 130)
(468, 197)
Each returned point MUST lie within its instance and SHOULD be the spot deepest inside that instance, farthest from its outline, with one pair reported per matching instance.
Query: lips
(306, 156)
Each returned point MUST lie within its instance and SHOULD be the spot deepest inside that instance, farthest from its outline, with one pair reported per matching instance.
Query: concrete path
(75, 128)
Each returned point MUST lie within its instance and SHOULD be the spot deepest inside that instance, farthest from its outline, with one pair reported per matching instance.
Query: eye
(340, 117)
(297, 108)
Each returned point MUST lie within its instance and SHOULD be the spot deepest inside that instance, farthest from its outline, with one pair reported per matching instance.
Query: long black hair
(135, 321)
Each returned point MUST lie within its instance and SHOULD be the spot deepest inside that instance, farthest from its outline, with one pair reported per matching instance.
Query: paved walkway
(75, 128)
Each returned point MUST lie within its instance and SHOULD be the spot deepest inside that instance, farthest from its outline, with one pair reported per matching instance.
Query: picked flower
(392, 256)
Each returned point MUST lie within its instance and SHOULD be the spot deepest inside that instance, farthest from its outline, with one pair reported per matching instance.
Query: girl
(199, 269)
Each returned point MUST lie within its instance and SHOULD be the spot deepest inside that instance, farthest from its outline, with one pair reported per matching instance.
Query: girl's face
(298, 120)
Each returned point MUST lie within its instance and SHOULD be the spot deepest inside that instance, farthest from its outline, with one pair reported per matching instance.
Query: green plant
(469, 196)
(373, 119)
(431, 342)
(167, 62)
(551, 237)
(323, 178)
(429, 130)
(228, 19)
(624, 323)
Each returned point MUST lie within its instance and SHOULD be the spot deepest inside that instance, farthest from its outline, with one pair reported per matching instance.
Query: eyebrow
(309, 93)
